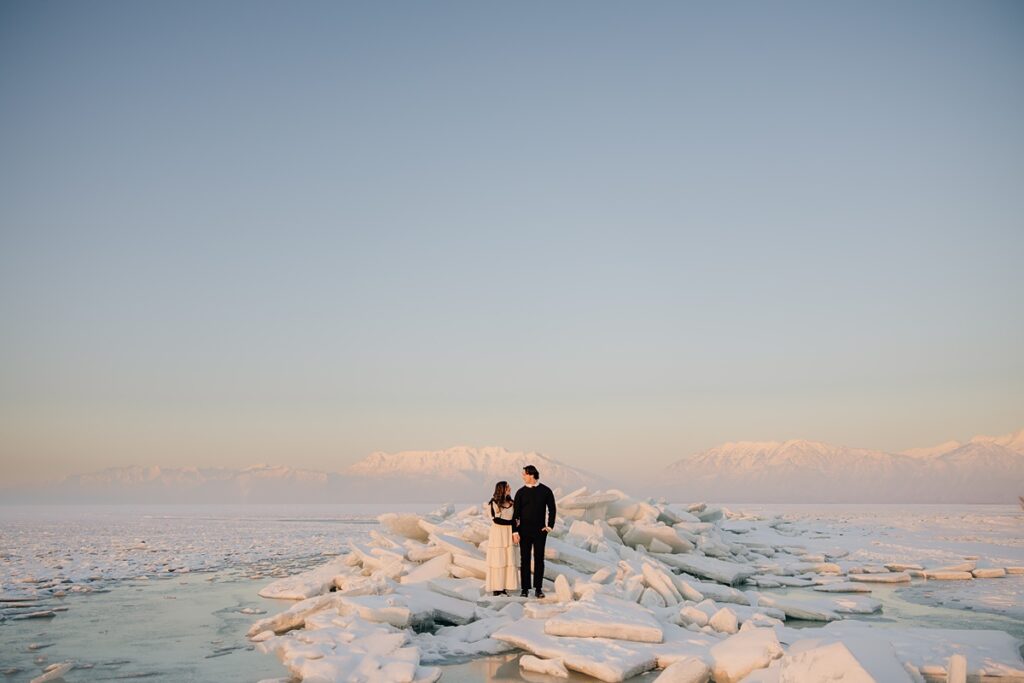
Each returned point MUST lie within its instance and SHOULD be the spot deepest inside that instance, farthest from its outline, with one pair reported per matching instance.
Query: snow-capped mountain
(461, 474)
(983, 470)
(464, 468)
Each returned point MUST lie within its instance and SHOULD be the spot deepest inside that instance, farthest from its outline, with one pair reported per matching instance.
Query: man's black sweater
(528, 509)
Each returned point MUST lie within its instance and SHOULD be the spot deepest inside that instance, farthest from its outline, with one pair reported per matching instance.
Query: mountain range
(982, 470)
(456, 474)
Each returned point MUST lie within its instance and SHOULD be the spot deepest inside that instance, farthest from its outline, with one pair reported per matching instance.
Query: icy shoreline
(637, 586)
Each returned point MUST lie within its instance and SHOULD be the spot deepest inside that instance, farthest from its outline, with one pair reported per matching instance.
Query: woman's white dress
(502, 571)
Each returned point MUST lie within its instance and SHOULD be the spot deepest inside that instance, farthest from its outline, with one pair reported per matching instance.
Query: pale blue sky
(614, 233)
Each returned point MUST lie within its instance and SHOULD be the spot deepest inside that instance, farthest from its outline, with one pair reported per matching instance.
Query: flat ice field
(638, 590)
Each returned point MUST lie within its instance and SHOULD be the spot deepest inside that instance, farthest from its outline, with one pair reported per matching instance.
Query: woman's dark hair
(501, 499)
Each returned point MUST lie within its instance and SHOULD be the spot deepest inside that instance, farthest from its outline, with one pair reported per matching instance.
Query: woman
(502, 573)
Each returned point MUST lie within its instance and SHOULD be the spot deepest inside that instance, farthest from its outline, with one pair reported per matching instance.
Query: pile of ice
(632, 586)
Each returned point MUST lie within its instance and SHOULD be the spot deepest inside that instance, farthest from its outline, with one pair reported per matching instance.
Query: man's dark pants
(532, 542)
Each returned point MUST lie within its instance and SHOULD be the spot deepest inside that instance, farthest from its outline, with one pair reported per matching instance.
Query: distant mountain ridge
(457, 474)
(983, 470)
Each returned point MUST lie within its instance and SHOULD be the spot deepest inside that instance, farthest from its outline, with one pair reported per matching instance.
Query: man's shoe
(539, 593)
(525, 594)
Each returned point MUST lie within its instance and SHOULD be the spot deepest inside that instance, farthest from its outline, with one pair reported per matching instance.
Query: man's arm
(551, 509)
(516, 509)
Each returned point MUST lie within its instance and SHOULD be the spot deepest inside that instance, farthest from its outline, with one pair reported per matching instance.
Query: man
(533, 516)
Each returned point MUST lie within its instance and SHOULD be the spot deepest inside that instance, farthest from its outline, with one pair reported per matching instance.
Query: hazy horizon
(299, 234)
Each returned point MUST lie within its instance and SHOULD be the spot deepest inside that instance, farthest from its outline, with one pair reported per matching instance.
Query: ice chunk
(938, 575)
(562, 589)
(738, 655)
(989, 573)
(606, 617)
(843, 587)
(473, 566)
(53, 672)
(686, 670)
(464, 589)
(722, 571)
(803, 606)
(296, 615)
(431, 569)
(651, 600)
(691, 615)
(957, 669)
(550, 667)
(724, 621)
(309, 583)
(831, 662)
(644, 534)
(577, 558)
(660, 581)
(603, 658)
(456, 546)
(927, 650)
(891, 577)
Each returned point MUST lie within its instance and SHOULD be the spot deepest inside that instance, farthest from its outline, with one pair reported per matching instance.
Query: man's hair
(532, 471)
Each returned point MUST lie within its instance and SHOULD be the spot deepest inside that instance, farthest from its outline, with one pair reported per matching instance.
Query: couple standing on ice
(524, 521)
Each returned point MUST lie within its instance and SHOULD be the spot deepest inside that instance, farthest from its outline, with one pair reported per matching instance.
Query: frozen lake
(166, 593)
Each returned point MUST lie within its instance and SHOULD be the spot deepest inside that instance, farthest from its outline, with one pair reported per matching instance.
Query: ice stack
(633, 585)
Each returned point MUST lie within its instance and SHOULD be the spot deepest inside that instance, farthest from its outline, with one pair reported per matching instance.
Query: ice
(738, 655)
(843, 587)
(606, 617)
(602, 658)
(890, 577)
(309, 583)
(435, 568)
(563, 592)
(625, 598)
(833, 662)
(645, 534)
(724, 621)
(464, 589)
(550, 667)
(722, 571)
(687, 670)
(948, 576)
(988, 653)
(456, 546)
(989, 573)
(820, 608)
(561, 552)
(404, 525)
(956, 669)
(53, 672)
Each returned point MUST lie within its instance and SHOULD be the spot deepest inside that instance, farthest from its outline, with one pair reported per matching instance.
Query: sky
(618, 234)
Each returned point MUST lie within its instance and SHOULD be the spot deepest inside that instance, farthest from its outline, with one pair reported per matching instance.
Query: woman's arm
(496, 518)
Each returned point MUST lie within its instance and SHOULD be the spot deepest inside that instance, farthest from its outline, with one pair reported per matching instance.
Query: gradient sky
(618, 234)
